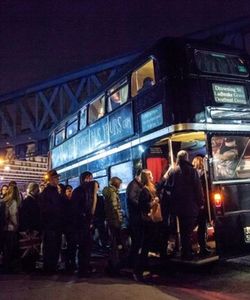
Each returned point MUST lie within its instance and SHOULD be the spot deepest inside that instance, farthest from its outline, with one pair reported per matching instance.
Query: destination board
(151, 118)
(229, 93)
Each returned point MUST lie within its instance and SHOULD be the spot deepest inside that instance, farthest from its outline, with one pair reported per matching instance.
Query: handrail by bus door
(178, 237)
(205, 163)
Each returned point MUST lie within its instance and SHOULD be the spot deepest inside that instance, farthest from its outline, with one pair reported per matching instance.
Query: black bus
(179, 94)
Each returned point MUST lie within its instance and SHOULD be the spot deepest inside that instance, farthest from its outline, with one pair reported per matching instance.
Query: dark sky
(41, 39)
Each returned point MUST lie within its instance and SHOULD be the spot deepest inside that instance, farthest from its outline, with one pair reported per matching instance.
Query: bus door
(229, 159)
(195, 144)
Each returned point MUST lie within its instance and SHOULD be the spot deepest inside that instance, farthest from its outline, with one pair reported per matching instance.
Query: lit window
(60, 136)
(72, 128)
(118, 95)
(143, 78)
(96, 109)
(83, 118)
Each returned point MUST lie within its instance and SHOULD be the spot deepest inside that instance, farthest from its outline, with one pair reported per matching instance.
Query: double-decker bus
(179, 94)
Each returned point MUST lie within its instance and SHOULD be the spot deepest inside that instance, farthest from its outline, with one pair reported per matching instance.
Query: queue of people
(52, 211)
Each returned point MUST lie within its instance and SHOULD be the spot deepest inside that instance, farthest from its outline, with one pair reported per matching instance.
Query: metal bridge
(26, 116)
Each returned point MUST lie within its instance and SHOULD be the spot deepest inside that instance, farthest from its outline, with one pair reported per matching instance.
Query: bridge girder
(27, 116)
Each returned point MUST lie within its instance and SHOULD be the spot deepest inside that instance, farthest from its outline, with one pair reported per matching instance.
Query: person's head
(41, 187)
(116, 182)
(138, 174)
(61, 188)
(53, 177)
(147, 179)
(13, 194)
(230, 142)
(147, 82)
(182, 155)
(86, 177)
(116, 97)
(12, 183)
(68, 191)
(198, 162)
(4, 189)
(33, 188)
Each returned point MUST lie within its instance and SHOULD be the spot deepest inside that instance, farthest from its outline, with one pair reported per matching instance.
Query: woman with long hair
(147, 200)
(10, 234)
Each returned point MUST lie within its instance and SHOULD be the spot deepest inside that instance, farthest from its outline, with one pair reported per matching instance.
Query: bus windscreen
(231, 157)
(220, 63)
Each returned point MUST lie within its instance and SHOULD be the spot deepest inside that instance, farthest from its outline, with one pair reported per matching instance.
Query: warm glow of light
(7, 168)
(217, 199)
(1, 161)
(46, 177)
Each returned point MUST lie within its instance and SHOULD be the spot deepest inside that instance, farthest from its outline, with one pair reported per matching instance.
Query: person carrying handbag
(148, 206)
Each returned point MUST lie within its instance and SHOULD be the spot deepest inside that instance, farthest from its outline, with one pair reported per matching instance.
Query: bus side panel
(229, 235)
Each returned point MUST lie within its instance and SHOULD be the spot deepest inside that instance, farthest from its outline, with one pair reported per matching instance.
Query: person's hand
(156, 200)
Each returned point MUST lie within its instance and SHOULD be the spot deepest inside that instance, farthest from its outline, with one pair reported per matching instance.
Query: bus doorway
(195, 144)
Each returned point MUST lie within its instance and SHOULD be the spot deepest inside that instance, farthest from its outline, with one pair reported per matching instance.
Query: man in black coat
(51, 208)
(186, 199)
(84, 199)
(133, 191)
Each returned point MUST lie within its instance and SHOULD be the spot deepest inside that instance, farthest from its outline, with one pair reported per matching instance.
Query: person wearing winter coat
(84, 199)
(186, 199)
(10, 230)
(133, 191)
(51, 208)
(114, 218)
(30, 228)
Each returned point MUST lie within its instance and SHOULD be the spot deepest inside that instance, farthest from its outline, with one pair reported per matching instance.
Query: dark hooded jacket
(186, 190)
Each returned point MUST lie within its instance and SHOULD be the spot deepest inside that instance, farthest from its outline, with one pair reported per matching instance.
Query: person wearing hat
(30, 227)
(51, 207)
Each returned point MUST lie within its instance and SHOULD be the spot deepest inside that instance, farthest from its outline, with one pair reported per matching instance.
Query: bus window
(231, 157)
(83, 118)
(74, 182)
(118, 95)
(220, 63)
(102, 182)
(96, 109)
(123, 171)
(143, 78)
(60, 136)
(72, 128)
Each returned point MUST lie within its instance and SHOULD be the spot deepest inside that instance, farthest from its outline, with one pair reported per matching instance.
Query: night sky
(40, 40)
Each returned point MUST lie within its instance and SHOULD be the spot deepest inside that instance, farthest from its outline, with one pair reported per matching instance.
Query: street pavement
(229, 280)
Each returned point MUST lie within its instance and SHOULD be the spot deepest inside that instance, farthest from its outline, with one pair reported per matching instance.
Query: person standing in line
(202, 218)
(10, 230)
(4, 190)
(30, 227)
(147, 200)
(68, 230)
(186, 200)
(68, 191)
(133, 191)
(51, 208)
(84, 199)
(114, 220)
